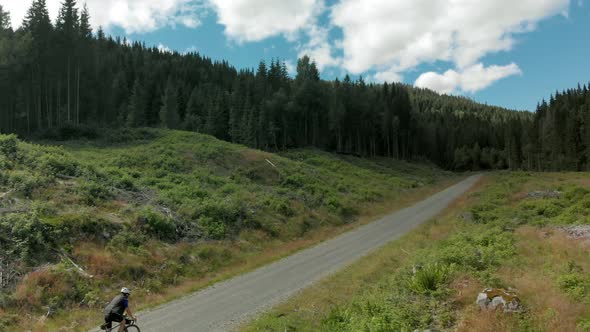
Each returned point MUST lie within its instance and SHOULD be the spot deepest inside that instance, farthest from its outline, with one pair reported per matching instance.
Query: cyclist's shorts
(113, 317)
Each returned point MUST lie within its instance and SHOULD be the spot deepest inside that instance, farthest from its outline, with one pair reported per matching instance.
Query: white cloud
(191, 49)
(470, 79)
(404, 34)
(255, 20)
(319, 48)
(291, 68)
(131, 15)
(163, 48)
(390, 75)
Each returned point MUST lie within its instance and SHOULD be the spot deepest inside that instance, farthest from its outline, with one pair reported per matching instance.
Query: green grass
(430, 278)
(155, 209)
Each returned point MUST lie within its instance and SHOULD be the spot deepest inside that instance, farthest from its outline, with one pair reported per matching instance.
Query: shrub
(156, 225)
(126, 239)
(8, 145)
(51, 287)
(25, 182)
(575, 283)
(54, 164)
(430, 278)
(477, 250)
(92, 193)
(212, 228)
(31, 238)
(282, 206)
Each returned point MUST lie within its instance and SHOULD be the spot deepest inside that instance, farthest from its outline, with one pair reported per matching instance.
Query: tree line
(63, 74)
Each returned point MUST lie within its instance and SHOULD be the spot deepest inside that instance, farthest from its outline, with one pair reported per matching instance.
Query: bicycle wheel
(132, 328)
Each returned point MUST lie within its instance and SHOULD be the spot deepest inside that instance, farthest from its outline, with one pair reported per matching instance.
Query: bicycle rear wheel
(132, 328)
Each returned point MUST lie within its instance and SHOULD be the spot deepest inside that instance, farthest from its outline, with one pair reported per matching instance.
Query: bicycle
(130, 326)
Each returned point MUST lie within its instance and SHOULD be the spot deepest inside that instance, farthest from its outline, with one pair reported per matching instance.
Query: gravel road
(223, 306)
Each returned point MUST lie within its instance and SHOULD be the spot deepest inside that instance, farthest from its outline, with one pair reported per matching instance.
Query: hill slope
(152, 208)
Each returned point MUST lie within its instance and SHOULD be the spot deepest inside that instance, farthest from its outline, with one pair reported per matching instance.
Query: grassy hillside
(513, 231)
(152, 209)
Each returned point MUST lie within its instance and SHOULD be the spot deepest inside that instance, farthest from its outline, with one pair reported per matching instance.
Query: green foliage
(156, 225)
(574, 282)
(57, 164)
(478, 250)
(29, 238)
(8, 145)
(430, 278)
(93, 193)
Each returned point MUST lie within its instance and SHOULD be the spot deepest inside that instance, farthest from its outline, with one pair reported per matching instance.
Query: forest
(63, 80)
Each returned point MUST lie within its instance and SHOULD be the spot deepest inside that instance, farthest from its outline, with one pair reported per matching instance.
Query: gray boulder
(495, 298)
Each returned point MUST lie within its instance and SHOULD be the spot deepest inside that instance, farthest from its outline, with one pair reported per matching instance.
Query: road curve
(222, 306)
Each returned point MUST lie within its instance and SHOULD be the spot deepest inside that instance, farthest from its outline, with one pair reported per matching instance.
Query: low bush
(26, 183)
(156, 225)
(8, 146)
(430, 278)
(93, 193)
(31, 239)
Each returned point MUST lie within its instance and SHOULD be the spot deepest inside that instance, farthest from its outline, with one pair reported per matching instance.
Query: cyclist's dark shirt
(117, 305)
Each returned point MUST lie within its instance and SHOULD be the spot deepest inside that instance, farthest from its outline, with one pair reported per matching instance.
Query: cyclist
(115, 310)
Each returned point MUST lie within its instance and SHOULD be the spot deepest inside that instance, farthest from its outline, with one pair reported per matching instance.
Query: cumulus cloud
(163, 48)
(390, 75)
(131, 15)
(319, 47)
(407, 33)
(470, 79)
(255, 20)
(393, 36)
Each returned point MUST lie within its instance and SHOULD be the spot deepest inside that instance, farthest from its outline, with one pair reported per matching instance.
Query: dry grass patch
(543, 257)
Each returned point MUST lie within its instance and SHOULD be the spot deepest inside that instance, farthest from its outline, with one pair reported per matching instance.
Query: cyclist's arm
(130, 313)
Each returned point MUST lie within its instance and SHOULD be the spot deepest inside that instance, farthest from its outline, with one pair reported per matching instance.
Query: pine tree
(193, 119)
(169, 111)
(85, 28)
(136, 108)
(68, 21)
(4, 20)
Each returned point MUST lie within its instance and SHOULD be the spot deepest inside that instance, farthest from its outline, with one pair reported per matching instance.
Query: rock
(577, 232)
(493, 298)
(544, 194)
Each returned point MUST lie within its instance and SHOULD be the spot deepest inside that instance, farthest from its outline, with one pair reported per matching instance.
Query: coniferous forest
(56, 75)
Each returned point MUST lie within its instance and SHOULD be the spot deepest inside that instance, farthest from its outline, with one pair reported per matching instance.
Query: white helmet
(125, 290)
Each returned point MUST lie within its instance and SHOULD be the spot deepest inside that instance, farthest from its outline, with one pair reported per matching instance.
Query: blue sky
(502, 52)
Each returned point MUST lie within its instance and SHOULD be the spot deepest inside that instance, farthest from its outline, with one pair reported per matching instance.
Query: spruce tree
(169, 111)
(4, 20)
(136, 108)
(85, 28)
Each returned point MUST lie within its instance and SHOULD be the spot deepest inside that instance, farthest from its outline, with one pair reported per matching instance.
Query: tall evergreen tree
(136, 108)
(4, 19)
(169, 111)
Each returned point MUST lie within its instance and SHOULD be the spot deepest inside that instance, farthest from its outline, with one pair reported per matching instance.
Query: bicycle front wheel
(132, 328)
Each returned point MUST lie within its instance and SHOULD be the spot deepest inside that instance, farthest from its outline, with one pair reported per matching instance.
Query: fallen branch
(65, 177)
(2, 195)
(8, 211)
(80, 270)
(270, 162)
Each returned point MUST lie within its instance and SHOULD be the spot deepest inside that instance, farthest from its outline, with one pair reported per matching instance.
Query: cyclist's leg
(119, 319)
(108, 323)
